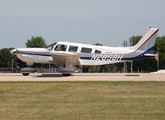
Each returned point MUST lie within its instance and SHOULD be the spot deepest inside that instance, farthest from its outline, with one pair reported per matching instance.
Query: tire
(25, 74)
(66, 74)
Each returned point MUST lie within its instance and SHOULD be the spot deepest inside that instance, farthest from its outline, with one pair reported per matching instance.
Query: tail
(147, 42)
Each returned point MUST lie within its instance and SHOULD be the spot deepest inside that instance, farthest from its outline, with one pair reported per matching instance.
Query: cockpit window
(97, 51)
(86, 50)
(73, 49)
(60, 47)
(50, 47)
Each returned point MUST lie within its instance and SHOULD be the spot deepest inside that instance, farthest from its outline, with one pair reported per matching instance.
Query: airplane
(71, 54)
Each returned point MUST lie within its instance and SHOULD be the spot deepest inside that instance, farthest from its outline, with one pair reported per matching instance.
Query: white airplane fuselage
(72, 54)
(108, 55)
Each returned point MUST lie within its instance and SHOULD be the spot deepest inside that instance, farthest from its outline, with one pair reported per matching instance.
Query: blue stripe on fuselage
(117, 57)
(141, 56)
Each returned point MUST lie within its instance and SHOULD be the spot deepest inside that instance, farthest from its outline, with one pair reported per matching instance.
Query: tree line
(145, 65)
(150, 64)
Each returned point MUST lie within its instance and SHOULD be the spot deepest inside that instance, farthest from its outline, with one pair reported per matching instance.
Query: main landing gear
(26, 71)
(64, 74)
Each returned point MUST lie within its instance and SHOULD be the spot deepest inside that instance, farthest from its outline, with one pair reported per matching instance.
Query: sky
(108, 22)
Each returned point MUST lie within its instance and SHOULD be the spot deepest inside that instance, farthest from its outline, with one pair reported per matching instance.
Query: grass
(82, 100)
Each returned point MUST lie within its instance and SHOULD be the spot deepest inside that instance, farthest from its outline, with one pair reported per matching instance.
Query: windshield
(50, 47)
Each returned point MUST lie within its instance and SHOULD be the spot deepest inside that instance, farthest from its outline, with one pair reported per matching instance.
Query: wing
(67, 58)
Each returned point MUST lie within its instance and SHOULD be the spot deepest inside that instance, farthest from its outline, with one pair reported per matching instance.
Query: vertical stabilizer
(147, 42)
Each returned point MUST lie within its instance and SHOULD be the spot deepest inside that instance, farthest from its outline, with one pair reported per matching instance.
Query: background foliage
(147, 65)
(36, 42)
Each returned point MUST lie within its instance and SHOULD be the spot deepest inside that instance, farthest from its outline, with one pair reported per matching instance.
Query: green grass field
(82, 100)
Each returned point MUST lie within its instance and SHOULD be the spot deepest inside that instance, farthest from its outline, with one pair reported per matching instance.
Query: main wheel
(25, 74)
(64, 74)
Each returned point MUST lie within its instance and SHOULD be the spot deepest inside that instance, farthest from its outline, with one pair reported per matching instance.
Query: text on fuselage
(107, 57)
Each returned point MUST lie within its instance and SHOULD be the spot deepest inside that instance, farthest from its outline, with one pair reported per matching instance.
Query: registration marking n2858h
(107, 57)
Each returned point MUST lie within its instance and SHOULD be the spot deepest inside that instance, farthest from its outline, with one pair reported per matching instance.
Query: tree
(160, 43)
(36, 42)
(135, 39)
(98, 44)
(6, 57)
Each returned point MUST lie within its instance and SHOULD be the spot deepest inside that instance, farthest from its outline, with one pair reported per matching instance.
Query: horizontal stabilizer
(152, 55)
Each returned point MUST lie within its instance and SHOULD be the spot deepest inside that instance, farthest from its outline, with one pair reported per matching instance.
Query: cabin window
(60, 47)
(86, 50)
(73, 49)
(97, 51)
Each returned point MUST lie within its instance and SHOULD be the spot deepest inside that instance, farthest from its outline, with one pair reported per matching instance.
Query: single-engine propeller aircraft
(71, 54)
